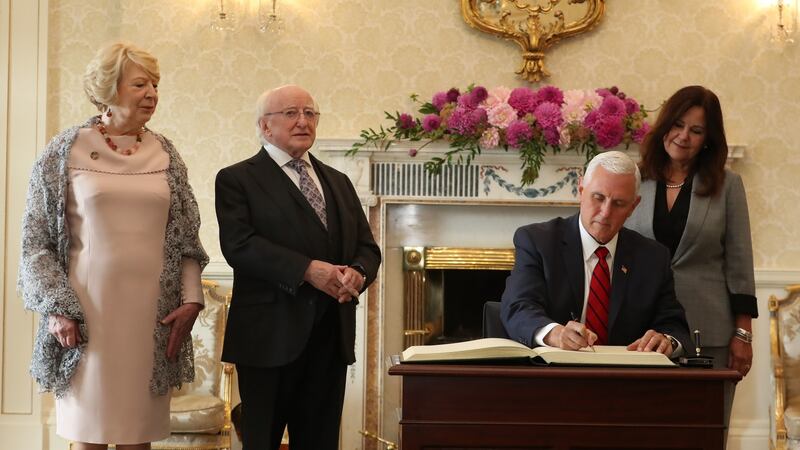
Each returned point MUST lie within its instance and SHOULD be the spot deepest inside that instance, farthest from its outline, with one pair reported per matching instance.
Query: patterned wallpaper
(360, 57)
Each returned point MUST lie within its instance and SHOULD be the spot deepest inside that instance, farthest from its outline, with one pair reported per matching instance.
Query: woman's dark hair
(710, 160)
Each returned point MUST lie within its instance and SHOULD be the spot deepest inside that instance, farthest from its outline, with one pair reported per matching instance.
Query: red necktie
(599, 294)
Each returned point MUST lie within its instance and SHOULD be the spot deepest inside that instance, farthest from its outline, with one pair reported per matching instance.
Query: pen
(572, 316)
(697, 342)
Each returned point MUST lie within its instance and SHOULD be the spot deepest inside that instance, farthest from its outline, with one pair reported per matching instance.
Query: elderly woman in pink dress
(111, 259)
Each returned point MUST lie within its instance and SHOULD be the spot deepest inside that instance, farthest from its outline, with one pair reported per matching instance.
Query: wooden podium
(531, 407)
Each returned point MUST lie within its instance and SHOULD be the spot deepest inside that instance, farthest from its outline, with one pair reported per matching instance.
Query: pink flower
(591, 118)
(523, 100)
(612, 106)
(479, 116)
(452, 95)
(501, 115)
(552, 136)
(480, 93)
(439, 100)
(578, 103)
(548, 115)
(468, 101)
(550, 94)
(458, 121)
(641, 132)
(631, 106)
(518, 133)
(604, 92)
(405, 122)
(431, 122)
(609, 131)
(464, 121)
(496, 96)
(490, 138)
(412, 152)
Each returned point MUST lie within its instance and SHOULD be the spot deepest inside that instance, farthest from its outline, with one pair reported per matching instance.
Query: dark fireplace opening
(455, 302)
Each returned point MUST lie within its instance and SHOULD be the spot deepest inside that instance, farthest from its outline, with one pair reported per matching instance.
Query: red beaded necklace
(127, 152)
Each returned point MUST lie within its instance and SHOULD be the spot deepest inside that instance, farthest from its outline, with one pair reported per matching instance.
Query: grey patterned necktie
(309, 189)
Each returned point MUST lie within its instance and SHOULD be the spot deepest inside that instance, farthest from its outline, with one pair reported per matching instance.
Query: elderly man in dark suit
(301, 249)
(585, 280)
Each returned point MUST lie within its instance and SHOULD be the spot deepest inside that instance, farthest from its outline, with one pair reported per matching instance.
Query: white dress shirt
(282, 159)
(589, 245)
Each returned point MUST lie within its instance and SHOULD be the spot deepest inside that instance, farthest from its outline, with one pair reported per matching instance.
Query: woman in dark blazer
(697, 208)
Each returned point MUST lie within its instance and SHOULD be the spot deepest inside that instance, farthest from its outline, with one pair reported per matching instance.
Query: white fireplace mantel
(493, 175)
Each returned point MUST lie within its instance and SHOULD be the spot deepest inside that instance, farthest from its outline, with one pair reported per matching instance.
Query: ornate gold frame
(524, 26)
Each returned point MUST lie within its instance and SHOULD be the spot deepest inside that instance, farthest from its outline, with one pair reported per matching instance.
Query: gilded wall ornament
(534, 25)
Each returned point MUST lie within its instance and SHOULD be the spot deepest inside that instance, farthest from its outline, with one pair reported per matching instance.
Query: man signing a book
(585, 280)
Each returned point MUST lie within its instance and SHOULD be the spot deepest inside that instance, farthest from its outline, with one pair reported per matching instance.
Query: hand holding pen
(572, 336)
(584, 332)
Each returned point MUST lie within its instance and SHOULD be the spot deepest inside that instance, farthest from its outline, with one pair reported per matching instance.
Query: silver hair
(615, 162)
(261, 109)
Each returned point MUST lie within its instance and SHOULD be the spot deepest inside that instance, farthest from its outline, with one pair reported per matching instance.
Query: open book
(499, 349)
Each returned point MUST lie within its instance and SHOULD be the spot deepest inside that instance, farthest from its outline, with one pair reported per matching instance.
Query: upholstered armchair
(200, 412)
(784, 330)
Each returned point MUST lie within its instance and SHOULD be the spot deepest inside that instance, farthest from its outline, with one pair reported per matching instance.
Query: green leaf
(428, 108)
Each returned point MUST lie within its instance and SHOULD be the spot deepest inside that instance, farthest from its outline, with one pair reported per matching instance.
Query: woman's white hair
(105, 70)
(615, 162)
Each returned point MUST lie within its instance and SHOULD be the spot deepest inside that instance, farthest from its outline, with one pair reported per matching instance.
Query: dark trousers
(307, 395)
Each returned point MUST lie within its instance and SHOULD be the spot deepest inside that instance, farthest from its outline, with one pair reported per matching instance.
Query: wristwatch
(672, 341)
(358, 268)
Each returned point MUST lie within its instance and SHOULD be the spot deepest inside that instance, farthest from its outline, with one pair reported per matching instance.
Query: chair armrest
(226, 387)
(777, 356)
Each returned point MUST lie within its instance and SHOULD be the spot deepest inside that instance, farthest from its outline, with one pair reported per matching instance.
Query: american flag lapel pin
(624, 270)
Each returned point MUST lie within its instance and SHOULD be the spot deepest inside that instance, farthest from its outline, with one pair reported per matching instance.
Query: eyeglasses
(294, 114)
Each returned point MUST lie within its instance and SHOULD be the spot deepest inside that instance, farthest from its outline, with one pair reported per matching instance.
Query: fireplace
(445, 289)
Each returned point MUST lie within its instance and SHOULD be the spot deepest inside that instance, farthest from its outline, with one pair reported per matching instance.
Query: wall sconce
(787, 22)
(268, 20)
(228, 15)
(225, 16)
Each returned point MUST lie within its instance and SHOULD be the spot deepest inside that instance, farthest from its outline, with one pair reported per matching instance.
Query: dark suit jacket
(269, 234)
(547, 285)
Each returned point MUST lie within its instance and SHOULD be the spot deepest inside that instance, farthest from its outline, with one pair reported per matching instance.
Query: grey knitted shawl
(43, 280)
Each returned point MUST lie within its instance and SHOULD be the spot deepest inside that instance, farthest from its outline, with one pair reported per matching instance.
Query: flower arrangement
(529, 121)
